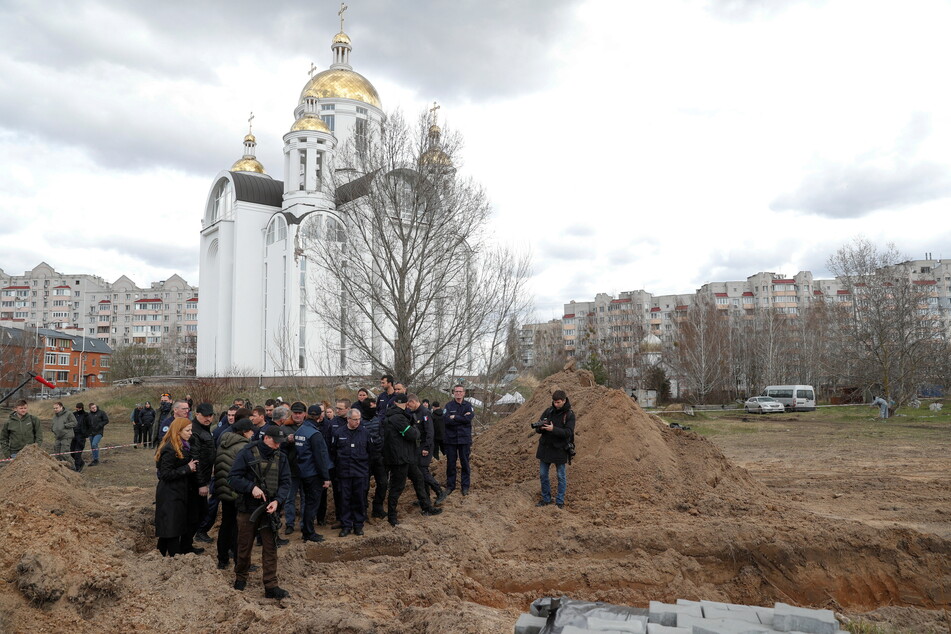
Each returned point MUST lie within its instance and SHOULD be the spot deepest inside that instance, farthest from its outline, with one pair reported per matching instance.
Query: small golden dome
(310, 122)
(435, 157)
(248, 165)
(341, 38)
(435, 130)
(340, 83)
(250, 138)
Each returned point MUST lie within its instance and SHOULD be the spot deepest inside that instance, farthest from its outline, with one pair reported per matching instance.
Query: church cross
(250, 119)
(343, 8)
(432, 111)
(312, 69)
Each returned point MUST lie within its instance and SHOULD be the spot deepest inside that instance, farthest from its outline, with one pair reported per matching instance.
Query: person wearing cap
(313, 464)
(351, 450)
(292, 422)
(260, 475)
(556, 433)
(146, 420)
(399, 452)
(231, 442)
(203, 449)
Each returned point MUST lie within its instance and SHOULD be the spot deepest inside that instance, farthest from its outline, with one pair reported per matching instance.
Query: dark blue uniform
(352, 450)
(457, 441)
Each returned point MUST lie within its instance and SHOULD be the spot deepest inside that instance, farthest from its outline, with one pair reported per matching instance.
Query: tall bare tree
(417, 286)
(700, 351)
(891, 330)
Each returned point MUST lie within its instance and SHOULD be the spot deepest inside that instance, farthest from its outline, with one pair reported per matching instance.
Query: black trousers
(419, 486)
(429, 479)
(352, 510)
(380, 472)
(228, 531)
(397, 482)
(78, 446)
(311, 489)
(146, 437)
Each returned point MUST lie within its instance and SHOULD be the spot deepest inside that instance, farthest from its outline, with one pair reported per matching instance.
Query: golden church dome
(310, 122)
(250, 138)
(340, 83)
(341, 38)
(248, 165)
(435, 157)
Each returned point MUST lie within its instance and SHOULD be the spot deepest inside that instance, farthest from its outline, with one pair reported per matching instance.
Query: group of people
(70, 432)
(256, 463)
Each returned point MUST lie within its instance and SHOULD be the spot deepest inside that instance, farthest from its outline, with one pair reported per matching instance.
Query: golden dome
(435, 129)
(341, 38)
(248, 165)
(436, 157)
(341, 84)
(310, 122)
(250, 137)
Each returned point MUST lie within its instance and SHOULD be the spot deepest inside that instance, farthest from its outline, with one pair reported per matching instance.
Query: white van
(795, 398)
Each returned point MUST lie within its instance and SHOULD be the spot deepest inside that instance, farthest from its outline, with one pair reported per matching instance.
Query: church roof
(258, 190)
(356, 188)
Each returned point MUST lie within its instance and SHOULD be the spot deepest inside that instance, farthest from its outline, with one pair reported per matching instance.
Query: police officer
(352, 449)
(313, 463)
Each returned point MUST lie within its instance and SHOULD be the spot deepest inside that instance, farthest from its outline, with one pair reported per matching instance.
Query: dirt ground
(810, 512)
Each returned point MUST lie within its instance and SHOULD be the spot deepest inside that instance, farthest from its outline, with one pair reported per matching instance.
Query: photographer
(557, 429)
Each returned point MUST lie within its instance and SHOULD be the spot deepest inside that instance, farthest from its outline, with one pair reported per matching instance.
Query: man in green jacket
(63, 425)
(20, 430)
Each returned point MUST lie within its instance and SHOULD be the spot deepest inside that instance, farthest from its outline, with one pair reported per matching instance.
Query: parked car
(763, 405)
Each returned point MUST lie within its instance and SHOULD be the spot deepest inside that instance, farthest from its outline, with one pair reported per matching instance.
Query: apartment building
(162, 315)
(641, 320)
(69, 361)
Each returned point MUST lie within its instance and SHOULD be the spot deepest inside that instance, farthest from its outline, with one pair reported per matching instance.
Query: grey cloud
(66, 67)
(161, 255)
(853, 191)
(580, 230)
(737, 265)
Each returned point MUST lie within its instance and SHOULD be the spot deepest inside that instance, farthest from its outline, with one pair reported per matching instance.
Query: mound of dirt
(624, 455)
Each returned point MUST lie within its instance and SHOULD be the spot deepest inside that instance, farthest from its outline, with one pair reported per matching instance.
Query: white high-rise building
(256, 316)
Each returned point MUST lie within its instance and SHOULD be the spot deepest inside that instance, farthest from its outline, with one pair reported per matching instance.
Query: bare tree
(138, 360)
(417, 289)
(700, 351)
(892, 332)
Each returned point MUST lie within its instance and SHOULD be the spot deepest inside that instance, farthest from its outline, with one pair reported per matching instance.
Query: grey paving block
(715, 604)
(765, 615)
(748, 615)
(687, 602)
(666, 613)
(529, 624)
(657, 628)
(719, 626)
(573, 629)
(789, 618)
(633, 625)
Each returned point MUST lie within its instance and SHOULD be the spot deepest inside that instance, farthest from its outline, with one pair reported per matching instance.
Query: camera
(539, 424)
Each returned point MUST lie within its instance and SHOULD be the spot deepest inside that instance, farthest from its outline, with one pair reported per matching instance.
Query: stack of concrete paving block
(682, 617)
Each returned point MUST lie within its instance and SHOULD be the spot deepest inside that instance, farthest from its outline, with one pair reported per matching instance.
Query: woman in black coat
(557, 431)
(173, 494)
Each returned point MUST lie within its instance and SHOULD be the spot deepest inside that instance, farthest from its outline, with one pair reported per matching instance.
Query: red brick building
(69, 361)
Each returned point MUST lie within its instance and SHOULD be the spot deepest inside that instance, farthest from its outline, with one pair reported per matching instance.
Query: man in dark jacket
(230, 443)
(351, 450)
(80, 433)
(457, 440)
(203, 449)
(313, 463)
(326, 427)
(260, 475)
(424, 423)
(377, 469)
(557, 429)
(146, 421)
(164, 415)
(399, 452)
(97, 426)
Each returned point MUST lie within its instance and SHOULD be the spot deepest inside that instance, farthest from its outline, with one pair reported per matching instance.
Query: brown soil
(652, 513)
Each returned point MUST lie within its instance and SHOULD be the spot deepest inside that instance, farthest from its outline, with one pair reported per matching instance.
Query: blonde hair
(173, 437)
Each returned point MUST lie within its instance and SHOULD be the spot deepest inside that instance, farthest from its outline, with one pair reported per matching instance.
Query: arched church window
(276, 230)
(221, 204)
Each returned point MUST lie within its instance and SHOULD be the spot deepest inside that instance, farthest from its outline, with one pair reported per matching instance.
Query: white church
(256, 317)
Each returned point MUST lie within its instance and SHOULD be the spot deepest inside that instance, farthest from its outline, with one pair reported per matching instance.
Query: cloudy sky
(628, 145)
